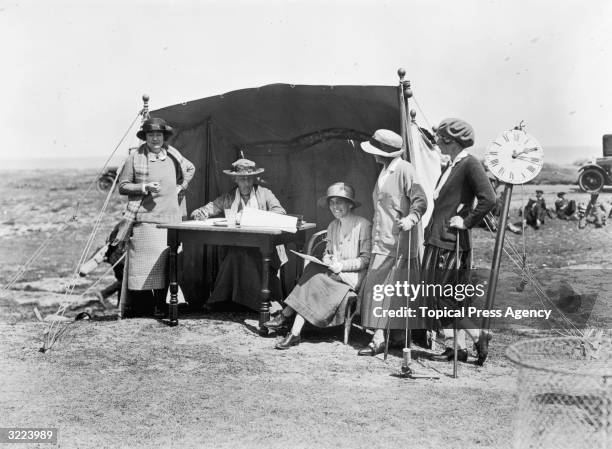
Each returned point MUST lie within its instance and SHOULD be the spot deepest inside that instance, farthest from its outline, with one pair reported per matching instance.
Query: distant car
(592, 177)
(106, 179)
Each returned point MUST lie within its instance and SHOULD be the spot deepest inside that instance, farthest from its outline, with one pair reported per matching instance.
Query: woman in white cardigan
(321, 289)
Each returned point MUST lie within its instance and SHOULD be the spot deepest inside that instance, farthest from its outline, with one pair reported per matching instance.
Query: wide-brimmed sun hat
(341, 190)
(458, 130)
(154, 125)
(384, 143)
(244, 167)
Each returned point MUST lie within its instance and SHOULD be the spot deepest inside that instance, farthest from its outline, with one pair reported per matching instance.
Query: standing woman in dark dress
(463, 181)
(154, 177)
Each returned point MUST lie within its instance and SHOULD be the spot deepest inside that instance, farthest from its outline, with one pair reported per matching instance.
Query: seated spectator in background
(239, 277)
(490, 220)
(321, 289)
(565, 208)
(595, 212)
(535, 211)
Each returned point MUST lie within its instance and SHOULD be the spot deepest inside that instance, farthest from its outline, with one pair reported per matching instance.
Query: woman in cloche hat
(322, 288)
(239, 276)
(154, 178)
(447, 237)
(399, 204)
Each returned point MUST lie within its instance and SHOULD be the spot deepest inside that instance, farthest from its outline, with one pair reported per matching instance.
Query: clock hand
(525, 150)
(528, 159)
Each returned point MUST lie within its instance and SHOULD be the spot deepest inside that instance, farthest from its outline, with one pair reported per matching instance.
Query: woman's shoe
(482, 347)
(449, 354)
(288, 341)
(278, 322)
(372, 349)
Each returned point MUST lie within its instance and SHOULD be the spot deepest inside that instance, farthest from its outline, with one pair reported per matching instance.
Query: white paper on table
(256, 218)
(210, 221)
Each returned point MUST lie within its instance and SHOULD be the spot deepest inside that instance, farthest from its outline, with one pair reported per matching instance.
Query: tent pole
(401, 72)
(206, 250)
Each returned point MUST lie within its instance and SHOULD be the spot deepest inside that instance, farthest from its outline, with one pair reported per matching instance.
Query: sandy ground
(213, 382)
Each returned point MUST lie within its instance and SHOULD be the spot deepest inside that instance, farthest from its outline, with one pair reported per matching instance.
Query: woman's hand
(327, 259)
(406, 223)
(335, 267)
(199, 214)
(457, 222)
(152, 187)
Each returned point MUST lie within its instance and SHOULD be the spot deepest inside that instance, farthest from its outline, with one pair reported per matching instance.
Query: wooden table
(265, 239)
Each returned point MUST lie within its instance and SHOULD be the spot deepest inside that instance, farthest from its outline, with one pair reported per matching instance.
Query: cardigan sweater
(352, 249)
(466, 181)
(400, 195)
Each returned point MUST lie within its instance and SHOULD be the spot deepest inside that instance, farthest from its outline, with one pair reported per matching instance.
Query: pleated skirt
(440, 268)
(318, 295)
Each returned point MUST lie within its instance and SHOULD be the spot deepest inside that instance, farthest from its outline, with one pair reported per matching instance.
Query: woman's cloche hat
(342, 190)
(244, 167)
(458, 130)
(154, 125)
(384, 143)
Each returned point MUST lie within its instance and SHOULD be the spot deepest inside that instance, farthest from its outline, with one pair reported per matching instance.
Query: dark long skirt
(239, 279)
(439, 268)
(317, 295)
(382, 271)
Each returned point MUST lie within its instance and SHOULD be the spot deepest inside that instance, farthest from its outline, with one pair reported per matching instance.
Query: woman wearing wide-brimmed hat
(239, 276)
(399, 204)
(321, 289)
(154, 178)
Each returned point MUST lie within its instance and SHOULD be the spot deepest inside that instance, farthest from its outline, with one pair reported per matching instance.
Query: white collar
(391, 167)
(445, 175)
(460, 156)
(157, 157)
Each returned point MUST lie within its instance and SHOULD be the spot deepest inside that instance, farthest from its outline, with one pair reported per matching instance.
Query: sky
(73, 72)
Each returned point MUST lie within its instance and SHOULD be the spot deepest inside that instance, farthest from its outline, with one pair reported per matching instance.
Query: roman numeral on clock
(531, 168)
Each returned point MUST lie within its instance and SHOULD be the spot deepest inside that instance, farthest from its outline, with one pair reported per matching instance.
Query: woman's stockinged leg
(298, 324)
(287, 312)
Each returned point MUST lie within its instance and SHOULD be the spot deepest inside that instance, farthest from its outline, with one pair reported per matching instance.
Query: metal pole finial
(145, 107)
(401, 72)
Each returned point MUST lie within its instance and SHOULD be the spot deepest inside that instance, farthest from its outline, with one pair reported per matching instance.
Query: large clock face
(514, 157)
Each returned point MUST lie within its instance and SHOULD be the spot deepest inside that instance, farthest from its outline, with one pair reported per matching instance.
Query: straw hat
(244, 167)
(384, 143)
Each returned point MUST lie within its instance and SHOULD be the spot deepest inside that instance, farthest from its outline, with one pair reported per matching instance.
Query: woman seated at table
(321, 289)
(239, 277)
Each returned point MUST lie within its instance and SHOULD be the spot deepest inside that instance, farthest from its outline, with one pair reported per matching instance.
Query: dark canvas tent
(306, 137)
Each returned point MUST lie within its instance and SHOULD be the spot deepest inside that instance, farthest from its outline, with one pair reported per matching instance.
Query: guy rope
(56, 327)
